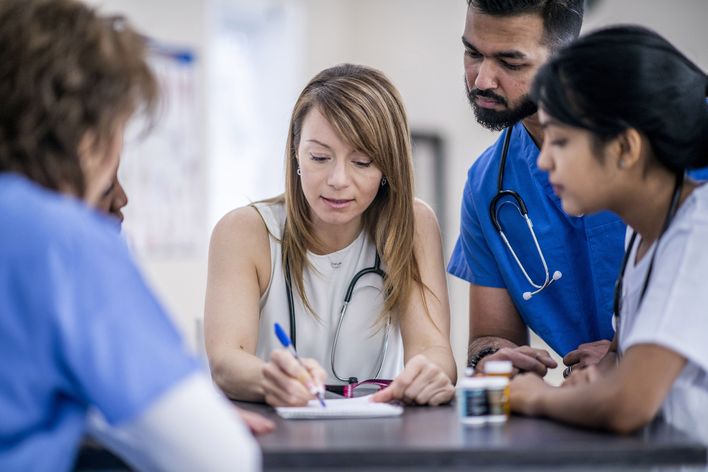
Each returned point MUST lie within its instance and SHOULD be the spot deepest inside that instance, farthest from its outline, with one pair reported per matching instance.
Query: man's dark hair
(562, 19)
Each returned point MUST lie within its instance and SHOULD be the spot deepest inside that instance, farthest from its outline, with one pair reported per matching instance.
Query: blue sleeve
(699, 174)
(472, 259)
(117, 346)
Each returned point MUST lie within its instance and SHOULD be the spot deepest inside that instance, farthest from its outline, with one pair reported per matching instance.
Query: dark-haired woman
(625, 117)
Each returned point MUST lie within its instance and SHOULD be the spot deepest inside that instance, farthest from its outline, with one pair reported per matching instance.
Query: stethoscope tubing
(516, 201)
(375, 269)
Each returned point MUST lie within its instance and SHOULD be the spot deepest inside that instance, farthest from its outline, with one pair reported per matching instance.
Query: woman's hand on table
(422, 382)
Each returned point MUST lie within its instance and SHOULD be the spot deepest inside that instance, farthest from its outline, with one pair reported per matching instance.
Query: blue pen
(287, 344)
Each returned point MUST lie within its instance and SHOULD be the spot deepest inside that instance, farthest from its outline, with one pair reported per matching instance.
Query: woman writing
(348, 206)
(625, 116)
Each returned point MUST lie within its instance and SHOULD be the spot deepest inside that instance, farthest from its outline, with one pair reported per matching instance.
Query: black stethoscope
(673, 208)
(518, 203)
(375, 269)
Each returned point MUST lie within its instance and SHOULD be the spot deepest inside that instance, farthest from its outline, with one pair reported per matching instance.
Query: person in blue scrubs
(79, 328)
(562, 287)
(559, 279)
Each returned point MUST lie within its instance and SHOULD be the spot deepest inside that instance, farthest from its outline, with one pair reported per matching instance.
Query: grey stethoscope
(518, 203)
(375, 269)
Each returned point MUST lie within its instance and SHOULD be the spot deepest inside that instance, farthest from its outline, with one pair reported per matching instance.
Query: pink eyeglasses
(358, 389)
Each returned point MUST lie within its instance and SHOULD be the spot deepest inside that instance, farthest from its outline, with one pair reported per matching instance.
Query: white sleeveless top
(360, 341)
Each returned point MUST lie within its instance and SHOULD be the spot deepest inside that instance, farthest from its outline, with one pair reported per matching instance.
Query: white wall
(180, 281)
(683, 22)
(417, 44)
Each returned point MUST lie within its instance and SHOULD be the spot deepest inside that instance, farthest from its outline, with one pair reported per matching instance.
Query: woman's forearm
(239, 375)
(584, 405)
(603, 404)
(443, 358)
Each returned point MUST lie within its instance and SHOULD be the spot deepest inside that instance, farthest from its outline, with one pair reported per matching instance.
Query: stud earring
(383, 182)
(299, 172)
(620, 164)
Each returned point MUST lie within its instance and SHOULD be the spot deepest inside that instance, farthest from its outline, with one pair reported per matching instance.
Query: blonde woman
(348, 221)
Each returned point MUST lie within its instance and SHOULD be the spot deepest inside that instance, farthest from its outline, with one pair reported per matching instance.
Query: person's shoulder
(426, 221)
(698, 214)
(241, 230)
(424, 213)
(701, 195)
(240, 244)
(690, 224)
(43, 217)
(243, 222)
(245, 215)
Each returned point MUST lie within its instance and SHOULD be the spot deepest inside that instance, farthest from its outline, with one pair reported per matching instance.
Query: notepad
(360, 407)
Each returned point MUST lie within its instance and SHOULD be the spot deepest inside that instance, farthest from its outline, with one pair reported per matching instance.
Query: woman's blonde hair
(367, 112)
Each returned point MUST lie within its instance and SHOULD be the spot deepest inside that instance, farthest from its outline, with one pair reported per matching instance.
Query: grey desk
(432, 439)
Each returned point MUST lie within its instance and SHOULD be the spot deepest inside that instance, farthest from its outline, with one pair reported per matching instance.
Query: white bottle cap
(473, 383)
(498, 367)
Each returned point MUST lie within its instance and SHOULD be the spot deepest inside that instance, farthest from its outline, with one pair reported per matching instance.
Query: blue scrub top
(586, 250)
(78, 328)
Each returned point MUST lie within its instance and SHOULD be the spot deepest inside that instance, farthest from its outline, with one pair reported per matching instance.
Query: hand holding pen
(290, 380)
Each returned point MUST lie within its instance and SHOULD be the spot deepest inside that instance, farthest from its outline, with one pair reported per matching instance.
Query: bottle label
(498, 401)
(475, 403)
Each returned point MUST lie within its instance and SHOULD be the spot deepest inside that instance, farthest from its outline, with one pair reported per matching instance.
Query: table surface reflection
(432, 437)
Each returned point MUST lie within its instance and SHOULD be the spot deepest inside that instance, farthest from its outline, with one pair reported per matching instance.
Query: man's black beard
(498, 120)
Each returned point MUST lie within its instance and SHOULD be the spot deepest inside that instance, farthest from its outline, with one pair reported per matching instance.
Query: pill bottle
(497, 399)
(472, 400)
(498, 368)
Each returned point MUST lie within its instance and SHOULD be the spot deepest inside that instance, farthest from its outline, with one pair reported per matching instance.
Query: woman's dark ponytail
(625, 77)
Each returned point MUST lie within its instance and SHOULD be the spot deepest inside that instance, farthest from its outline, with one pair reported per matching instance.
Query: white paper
(359, 407)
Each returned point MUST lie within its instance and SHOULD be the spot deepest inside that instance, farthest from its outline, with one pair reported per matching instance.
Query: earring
(620, 164)
(383, 182)
(299, 172)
